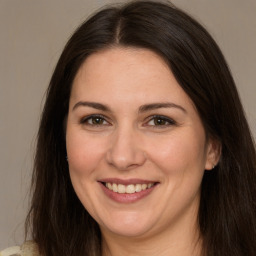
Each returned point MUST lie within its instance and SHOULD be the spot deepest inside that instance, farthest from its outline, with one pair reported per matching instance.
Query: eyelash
(85, 120)
(167, 121)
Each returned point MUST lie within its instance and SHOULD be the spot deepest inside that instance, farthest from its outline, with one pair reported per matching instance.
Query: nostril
(125, 152)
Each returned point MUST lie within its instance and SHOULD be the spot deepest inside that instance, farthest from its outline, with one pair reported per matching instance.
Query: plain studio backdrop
(32, 36)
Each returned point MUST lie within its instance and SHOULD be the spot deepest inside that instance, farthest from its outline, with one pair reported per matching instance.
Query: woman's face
(136, 147)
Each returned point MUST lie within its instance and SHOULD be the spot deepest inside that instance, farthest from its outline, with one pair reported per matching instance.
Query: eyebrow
(95, 105)
(153, 106)
(143, 108)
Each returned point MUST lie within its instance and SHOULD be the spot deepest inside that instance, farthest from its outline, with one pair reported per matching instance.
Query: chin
(127, 231)
(128, 226)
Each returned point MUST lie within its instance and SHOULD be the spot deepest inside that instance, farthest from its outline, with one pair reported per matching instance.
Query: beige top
(27, 249)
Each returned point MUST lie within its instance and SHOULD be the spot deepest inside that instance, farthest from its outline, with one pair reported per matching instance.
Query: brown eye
(160, 121)
(94, 120)
(97, 120)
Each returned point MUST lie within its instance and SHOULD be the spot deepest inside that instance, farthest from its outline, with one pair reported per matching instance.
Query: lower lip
(126, 198)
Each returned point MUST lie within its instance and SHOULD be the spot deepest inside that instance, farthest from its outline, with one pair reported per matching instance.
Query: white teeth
(129, 189)
(144, 186)
(121, 188)
(138, 187)
(114, 187)
(150, 185)
(109, 186)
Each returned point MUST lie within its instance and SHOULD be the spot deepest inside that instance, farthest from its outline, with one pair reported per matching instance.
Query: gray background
(33, 33)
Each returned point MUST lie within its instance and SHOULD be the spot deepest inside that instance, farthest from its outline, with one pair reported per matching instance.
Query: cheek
(84, 157)
(84, 153)
(179, 153)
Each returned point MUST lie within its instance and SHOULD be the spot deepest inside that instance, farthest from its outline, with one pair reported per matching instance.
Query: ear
(213, 153)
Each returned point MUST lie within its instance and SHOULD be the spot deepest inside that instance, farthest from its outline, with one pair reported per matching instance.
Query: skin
(127, 142)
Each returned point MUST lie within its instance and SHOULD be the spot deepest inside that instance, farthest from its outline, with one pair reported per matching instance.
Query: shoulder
(27, 249)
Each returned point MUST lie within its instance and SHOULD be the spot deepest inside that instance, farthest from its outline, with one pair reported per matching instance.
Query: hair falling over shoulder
(58, 222)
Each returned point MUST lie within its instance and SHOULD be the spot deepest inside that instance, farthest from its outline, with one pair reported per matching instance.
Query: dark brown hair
(227, 215)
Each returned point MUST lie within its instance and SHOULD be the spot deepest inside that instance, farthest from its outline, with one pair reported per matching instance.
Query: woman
(143, 146)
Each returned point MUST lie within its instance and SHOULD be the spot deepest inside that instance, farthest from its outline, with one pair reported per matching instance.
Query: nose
(126, 150)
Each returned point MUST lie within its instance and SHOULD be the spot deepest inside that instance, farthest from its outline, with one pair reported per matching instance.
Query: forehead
(121, 59)
(129, 75)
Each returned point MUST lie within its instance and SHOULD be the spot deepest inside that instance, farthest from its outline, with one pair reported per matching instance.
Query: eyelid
(165, 118)
(170, 121)
(86, 118)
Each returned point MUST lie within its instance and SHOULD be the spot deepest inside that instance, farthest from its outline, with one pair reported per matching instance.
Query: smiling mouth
(128, 189)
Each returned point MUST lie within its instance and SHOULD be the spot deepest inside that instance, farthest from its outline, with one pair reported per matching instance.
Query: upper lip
(126, 181)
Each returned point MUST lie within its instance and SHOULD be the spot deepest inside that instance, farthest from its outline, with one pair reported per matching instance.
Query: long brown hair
(227, 215)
